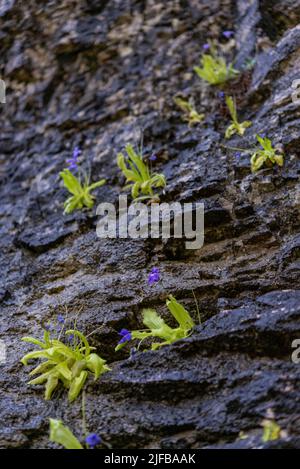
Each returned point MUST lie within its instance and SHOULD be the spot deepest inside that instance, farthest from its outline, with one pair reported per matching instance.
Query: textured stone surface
(94, 74)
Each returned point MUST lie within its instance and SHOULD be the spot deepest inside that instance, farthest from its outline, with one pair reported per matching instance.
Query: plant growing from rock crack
(266, 156)
(68, 364)
(80, 191)
(235, 127)
(158, 329)
(190, 114)
(139, 176)
(271, 430)
(214, 68)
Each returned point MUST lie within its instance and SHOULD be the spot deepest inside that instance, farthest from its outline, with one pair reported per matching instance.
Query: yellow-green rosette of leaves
(214, 68)
(66, 365)
(266, 156)
(139, 178)
(81, 191)
(235, 127)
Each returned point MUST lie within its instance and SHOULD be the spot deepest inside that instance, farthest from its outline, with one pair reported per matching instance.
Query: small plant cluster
(143, 182)
(190, 114)
(158, 329)
(68, 364)
(79, 186)
(235, 127)
(265, 155)
(68, 360)
(215, 71)
(139, 177)
(214, 68)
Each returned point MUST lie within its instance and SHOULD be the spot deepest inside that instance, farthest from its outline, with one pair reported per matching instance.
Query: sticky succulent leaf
(152, 320)
(232, 107)
(97, 184)
(77, 385)
(51, 385)
(33, 355)
(71, 182)
(96, 365)
(62, 435)
(181, 315)
(34, 341)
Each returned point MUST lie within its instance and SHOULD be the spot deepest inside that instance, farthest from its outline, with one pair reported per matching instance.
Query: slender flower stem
(197, 307)
(84, 426)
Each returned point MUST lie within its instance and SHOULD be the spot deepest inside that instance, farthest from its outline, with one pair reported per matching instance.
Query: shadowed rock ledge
(93, 74)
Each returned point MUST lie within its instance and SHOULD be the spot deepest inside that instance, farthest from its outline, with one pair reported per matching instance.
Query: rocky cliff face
(93, 74)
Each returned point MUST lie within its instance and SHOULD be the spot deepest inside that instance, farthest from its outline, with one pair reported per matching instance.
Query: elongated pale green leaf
(138, 162)
(82, 338)
(43, 367)
(62, 435)
(181, 315)
(96, 184)
(34, 341)
(71, 182)
(42, 378)
(32, 355)
(52, 383)
(96, 365)
(152, 320)
(76, 386)
(64, 370)
(232, 108)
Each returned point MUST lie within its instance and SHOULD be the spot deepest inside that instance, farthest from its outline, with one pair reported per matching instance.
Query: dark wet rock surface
(94, 74)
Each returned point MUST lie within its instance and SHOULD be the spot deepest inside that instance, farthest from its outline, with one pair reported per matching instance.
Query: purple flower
(263, 135)
(70, 338)
(48, 327)
(73, 162)
(154, 276)
(60, 319)
(153, 157)
(93, 440)
(126, 336)
(228, 34)
(221, 94)
(238, 154)
(206, 46)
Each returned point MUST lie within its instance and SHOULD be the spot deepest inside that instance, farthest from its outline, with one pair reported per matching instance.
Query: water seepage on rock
(94, 75)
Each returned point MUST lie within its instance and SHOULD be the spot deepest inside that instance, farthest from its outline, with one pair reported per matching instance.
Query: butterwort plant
(67, 364)
(214, 68)
(139, 177)
(190, 114)
(235, 127)
(79, 185)
(156, 328)
(266, 155)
